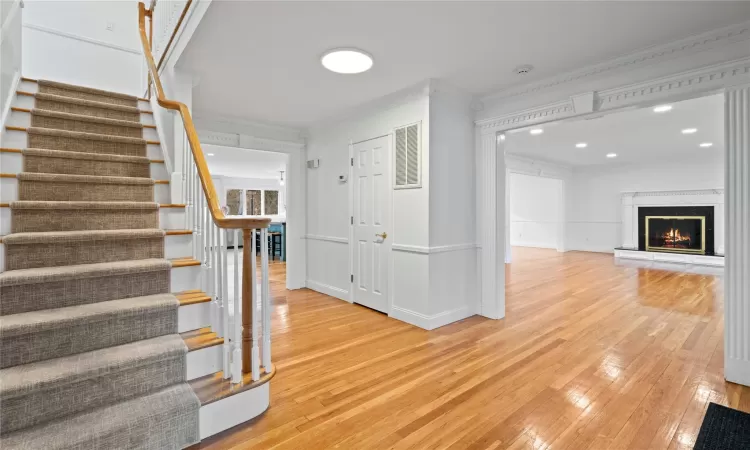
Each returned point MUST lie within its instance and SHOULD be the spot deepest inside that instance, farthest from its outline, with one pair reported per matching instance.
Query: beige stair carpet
(90, 357)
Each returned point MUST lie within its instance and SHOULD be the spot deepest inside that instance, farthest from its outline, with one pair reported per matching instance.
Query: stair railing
(239, 318)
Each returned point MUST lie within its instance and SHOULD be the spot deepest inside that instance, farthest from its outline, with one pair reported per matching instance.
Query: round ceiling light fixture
(689, 130)
(536, 131)
(346, 60)
(611, 155)
(582, 145)
(707, 144)
(523, 70)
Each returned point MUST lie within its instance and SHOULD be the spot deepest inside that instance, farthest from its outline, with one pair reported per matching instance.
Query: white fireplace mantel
(631, 201)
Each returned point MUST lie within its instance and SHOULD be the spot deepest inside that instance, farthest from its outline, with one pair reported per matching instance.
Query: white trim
(648, 56)
(327, 289)
(319, 237)
(433, 321)
(80, 38)
(155, 108)
(233, 410)
(737, 371)
(9, 101)
(432, 250)
(17, 5)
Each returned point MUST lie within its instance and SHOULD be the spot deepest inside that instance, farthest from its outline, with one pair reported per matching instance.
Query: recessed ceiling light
(611, 155)
(210, 154)
(582, 145)
(707, 144)
(536, 131)
(346, 60)
(689, 130)
(663, 108)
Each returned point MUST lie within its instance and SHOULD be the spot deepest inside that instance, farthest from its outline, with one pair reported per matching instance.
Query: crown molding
(546, 113)
(672, 193)
(651, 55)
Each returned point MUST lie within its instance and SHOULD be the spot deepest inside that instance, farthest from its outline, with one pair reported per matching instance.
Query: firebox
(676, 229)
(678, 234)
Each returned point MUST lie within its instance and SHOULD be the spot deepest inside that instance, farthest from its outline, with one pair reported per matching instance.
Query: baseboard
(534, 245)
(233, 410)
(737, 371)
(430, 322)
(327, 289)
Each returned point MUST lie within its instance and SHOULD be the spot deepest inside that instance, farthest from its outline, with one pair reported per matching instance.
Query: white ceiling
(244, 163)
(260, 60)
(636, 135)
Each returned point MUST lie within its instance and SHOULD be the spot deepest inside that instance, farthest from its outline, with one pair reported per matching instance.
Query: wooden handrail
(207, 183)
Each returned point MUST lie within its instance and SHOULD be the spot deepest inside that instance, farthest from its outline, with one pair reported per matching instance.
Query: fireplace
(678, 234)
(676, 229)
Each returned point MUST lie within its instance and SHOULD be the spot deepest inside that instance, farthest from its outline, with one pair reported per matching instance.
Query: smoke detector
(523, 70)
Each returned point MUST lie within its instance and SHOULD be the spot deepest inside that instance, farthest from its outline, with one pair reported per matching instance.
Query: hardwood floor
(590, 355)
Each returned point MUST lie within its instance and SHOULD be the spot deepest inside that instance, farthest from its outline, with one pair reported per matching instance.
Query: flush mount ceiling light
(210, 154)
(689, 130)
(536, 131)
(611, 155)
(346, 60)
(662, 108)
(707, 144)
(582, 145)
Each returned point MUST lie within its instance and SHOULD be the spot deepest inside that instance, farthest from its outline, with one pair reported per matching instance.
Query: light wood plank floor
(590, 355)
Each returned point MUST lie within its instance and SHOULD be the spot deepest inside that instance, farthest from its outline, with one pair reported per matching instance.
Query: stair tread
(214, 387)
(200, 339)
(56, 318)
(40, 204)
(43, 237)
(86, 118)
(83, 102)
(85, 155)
(79, 271)
(73, 87)
(83, 430)
(82, 135)
(96, 179)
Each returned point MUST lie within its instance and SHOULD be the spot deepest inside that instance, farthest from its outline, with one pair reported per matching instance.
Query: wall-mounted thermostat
(313, 163)
(343, 178)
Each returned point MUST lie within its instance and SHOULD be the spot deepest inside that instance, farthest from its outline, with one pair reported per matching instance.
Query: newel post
(247, 300)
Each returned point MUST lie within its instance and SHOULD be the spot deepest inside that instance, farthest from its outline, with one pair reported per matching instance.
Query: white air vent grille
(408, 156)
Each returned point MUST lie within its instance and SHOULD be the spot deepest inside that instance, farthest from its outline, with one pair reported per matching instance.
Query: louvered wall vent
(408, 156)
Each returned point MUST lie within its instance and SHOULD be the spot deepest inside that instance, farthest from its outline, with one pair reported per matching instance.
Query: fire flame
(673, 236)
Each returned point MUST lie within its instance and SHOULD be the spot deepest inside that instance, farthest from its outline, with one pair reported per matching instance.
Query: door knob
(382, 235)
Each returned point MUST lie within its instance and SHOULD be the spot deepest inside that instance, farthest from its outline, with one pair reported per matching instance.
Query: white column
(562, 217)
(491, 171)
(737, 240)
(508, 249)
(629, 227)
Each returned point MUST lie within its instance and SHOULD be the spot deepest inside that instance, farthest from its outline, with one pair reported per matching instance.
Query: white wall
(535, 209)
(68, 41)
(328, 210)
(594, 212)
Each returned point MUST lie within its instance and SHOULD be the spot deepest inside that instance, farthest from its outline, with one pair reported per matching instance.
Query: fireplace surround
(676, 229)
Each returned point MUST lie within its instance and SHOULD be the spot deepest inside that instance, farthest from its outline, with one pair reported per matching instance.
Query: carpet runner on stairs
(89, 351)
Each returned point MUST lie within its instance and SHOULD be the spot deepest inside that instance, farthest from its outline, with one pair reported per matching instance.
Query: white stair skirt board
(193, 317)
(204, 362)
(185, 278)
(679, 258)
(233, 410)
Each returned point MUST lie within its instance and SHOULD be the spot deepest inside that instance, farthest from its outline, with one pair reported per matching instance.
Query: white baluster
(237, 315)
(223, 280)
(255, 352)
(266, 303)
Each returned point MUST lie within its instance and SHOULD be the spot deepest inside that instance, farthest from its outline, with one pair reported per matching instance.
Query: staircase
(90, 355)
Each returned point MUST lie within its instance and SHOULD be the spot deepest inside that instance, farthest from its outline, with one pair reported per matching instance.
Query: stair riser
(82, 291)
(204, 362)
(29, 256)
(86, 192)
(87, 96)
(83, 336)
(167, 219)
(185, 279)
(43, 406)
(34, 220)
(84, 126)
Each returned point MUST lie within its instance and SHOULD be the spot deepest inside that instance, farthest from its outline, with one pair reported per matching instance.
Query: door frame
(389, 228)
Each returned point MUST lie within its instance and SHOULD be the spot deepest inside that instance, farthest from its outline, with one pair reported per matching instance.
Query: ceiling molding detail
(216, 138)
(644, 57)
(679, 86)
(672, 193)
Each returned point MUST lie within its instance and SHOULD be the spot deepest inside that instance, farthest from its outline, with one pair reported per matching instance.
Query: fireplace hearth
(676, 229)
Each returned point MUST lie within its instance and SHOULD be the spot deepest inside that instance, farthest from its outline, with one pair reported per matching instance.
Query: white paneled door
(372, 220)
